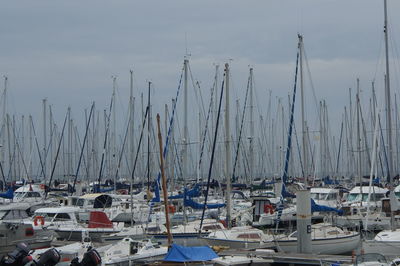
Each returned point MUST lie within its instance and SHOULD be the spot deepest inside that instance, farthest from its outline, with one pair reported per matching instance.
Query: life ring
(38, 219)
(268, 208)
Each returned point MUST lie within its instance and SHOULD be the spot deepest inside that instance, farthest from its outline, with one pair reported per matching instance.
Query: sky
(67, 51)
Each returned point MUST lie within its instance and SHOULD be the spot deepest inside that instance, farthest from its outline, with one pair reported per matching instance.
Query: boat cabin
(360, 195)
(325, 196)
(29, 193)
(59, 215)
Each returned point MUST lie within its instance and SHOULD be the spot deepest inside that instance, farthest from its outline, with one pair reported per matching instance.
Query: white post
(303, 222)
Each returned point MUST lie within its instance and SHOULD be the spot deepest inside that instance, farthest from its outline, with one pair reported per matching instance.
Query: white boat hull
(328, 246)
(237, 244)
(386, 248)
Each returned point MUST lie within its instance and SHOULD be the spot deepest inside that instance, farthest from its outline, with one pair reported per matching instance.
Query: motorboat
(387, 242)
(66, 223)
(371, 259)
(128, 251)
(16, 227)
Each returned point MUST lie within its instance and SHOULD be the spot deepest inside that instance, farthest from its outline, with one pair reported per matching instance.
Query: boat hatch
(333, 232)
(249, 236)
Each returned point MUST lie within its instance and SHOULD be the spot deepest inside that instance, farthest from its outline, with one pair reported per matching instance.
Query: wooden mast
(164, 183)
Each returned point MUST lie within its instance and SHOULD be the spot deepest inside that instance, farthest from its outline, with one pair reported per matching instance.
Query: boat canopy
(179, 253)
(102, 201)
(321, 208)
(9, 194)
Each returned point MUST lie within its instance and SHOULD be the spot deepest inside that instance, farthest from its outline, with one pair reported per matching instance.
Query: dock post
(303, 222)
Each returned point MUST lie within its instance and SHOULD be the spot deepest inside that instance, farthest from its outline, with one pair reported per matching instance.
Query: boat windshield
(354, 197)
(315, 196)
(2, 214)
(373, 197)
(370, 257)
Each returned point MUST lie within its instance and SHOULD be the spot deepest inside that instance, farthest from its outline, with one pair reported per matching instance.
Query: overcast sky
(67, 51)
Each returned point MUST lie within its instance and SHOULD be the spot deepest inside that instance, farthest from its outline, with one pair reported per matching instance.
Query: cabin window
(249, 236)
(314, 196)
(373, 197)
(32, 194)
(62, 217)
(48, 217)
(211, 227)
(353, 197)
(331, 196)
(74, 201)
(80, 202)
(153, 229)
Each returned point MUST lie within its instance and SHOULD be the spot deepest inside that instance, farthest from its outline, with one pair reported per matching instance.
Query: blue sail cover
(8, 195)
(194, 192)
(187, 254)
(188, 201)
(321, 208)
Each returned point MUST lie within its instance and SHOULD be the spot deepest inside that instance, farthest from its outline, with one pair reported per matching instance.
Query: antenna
(186, 47)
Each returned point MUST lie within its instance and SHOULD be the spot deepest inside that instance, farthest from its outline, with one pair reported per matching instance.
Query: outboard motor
(90, 258)
(49, 258)
(19, 256)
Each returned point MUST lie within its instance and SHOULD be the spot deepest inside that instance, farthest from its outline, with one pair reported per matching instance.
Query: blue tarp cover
(194, 192)
(321, 208)
(186, 254)
(8, 195)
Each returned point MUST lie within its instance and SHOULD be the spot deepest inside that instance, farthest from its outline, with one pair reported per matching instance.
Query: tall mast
(303, 121)
(359, 136)
(148, 138)
(44, 137)
(3, 138)
(387, 93)
(227, 149)
(132, 120)
(185, 121)
(251, 146)
(113, 164)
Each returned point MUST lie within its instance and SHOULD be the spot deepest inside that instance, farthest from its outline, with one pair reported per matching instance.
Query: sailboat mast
(185, 122)
(251, 148)
(132, 119)
(387, 93)
(44, 136)
(227, 149)
(303, 121)
(359, 136)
